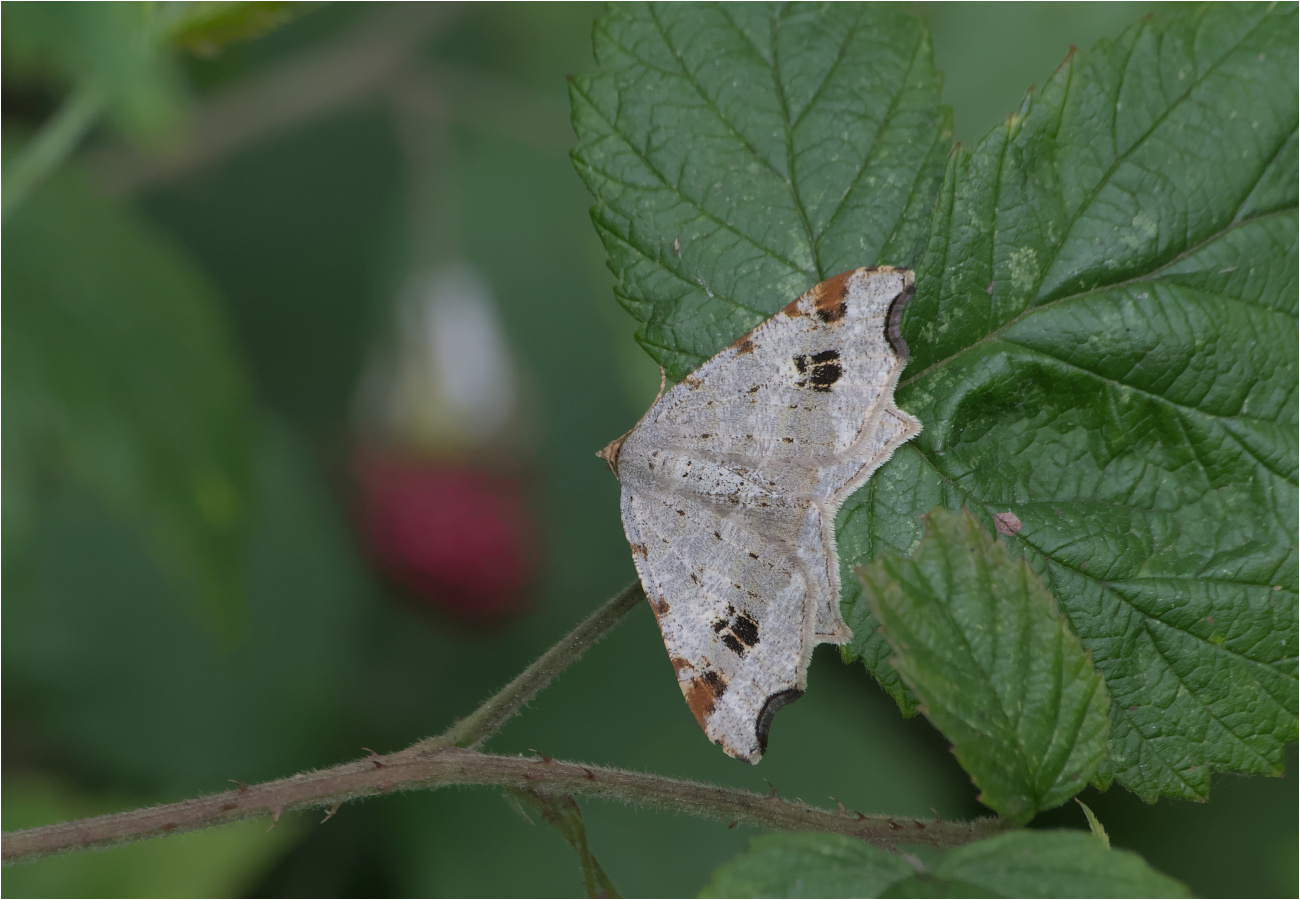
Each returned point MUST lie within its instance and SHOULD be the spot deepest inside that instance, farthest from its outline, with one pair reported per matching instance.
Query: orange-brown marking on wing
(827, 299)
(744, 345)
(701, 694)
(660, 607)
(610, 453)
(639, 550)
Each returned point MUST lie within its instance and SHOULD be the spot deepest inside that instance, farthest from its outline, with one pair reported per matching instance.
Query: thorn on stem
(375, 758)
(243, 787)
(544, 758)
(276, 812)
(919, 825)
(843, 811)
(894, 825)
(937, 817)
(733, 823)
(774, 794)
(590, 775)
(333, 809)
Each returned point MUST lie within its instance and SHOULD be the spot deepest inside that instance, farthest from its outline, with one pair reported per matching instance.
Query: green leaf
(1020, 864)
(118, 369)
(1055, 864)
(1103, 337)
(110, 46)
(979, 639)
(563, 812)
(1104, 341)
(808, 865)
(1094, 824)
(206, 28)
(740, 153)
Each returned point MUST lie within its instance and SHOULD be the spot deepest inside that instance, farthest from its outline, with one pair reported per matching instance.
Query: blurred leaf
(740, 153)
(118, 366)
(562, 811)
(979, 639)
(1055, 864)
(1104, 339)
(205, 28)
(101, 662)
(1020, 864)
(112, 47)
(808, 865)
(1104, 333)
(218, 862)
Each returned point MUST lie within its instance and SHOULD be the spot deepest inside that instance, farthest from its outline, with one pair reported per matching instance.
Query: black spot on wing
(820, 370)
(746, 629)
(738, 632)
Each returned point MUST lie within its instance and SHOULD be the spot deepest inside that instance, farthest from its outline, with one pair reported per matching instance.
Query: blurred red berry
(459, 539)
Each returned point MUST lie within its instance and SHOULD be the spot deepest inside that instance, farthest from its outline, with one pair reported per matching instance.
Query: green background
(117, 693)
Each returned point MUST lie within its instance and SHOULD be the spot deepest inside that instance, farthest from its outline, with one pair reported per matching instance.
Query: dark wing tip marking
(769, 710)
(894, 321)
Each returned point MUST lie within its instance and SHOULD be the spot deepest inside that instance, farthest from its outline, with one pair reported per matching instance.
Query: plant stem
(487, 720)
(449, 759)
(416, 768)
(49, 147)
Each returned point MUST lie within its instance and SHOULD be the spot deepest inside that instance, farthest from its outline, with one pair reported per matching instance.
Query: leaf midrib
(1033, 309)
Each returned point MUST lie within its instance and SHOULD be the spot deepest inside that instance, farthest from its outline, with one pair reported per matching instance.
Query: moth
(730, 486)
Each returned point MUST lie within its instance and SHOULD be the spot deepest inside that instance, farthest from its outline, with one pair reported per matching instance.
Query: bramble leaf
(808, 865)
(979, 639)
(1104, 341)
(741, 153)
(1019, 864)
(1104, 332)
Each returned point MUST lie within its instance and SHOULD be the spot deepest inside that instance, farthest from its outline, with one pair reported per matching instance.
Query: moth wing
(893, 429)
(730, 603)
(731, 484)
(803, 387)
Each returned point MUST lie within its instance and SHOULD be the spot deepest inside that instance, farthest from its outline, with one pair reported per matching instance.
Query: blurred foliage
(120, 370)
(1020, 864)
(116, 693)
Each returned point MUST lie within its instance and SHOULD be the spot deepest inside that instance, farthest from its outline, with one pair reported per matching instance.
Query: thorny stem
(417, 768)
(449, 760)
(487, 720)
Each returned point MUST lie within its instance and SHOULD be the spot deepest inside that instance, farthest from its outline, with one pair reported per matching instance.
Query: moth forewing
(730, 487)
